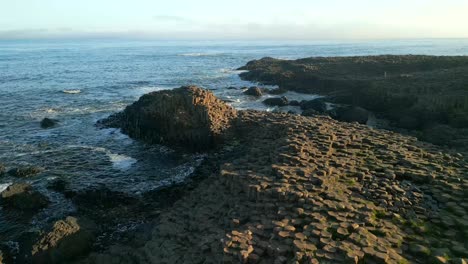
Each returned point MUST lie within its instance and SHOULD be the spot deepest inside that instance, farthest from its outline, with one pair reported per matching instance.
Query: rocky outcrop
(24, 172)
(254, 91)
(292, 189)
(67, 240)
(187, 117)
(21, 196)
(413, 92)
(350, 114)
(276, 101)
(48, 122)
(318, 105)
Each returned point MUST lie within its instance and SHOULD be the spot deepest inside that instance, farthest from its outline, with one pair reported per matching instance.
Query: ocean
(80, 82)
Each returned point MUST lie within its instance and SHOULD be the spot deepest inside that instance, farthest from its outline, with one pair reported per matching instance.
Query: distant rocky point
(425, 94)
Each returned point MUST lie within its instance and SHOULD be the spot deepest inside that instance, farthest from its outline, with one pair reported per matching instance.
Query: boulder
(316, 104)
(408, 122)
(25, 172)
(277, 91)
(58, 185)
(67, 240)
(309, 112)
(351, 114)
(254, 91)
(21, 196)
(294, 103)
(187, 117)
(276, 101)
(48, 122)
(438, 134)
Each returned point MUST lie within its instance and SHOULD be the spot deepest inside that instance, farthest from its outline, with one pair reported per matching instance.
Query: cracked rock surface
(294, 189)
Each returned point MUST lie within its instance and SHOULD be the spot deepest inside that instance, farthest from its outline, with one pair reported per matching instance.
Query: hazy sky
(234, 19)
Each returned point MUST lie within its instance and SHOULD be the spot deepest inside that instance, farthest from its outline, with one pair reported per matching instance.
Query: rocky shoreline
(293, 189)
(274, 188)
(424, 96)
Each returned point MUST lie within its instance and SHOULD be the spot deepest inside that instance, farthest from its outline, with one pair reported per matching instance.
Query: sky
(234, 19)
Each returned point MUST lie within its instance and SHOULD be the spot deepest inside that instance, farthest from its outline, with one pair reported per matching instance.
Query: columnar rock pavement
(295, 189)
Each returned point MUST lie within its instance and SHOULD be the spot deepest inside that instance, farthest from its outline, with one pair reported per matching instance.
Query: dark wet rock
(419, 250)
(101, 198)
(277, 101)
(113, 121)
(408, 122)
(310, 112)
(254, 91)
(24, 172)
(58, 185)
(351, 114)
(21, 196)
(439, 134)
(2, 169)
(232, 88)
(187, 117)
(316, 104)
(67, 240)
(48, 122)
(277, 91)
(294, 103)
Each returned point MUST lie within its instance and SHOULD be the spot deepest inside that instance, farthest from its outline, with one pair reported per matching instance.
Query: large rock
(24, 172)
(67, 240)
(276, 101)
(21, 196)
(188, 117)
(351, 114)
(254, 91)
(48, 122)
(316, 104)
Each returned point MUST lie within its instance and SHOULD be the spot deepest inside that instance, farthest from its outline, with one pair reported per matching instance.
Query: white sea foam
(197, 54)
(50, 110)
(231, 71)
(121, 162)
(76, 91)
(3, 186)
(147, 89)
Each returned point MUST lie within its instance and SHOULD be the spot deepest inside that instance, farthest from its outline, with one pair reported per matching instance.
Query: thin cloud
(174, 19)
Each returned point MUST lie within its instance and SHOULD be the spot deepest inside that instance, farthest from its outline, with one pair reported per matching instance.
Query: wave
(90, 109)
(231, 71)
(198, 54)
(121, 162)
(147, 89)
(77, 91)
(3, 186)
